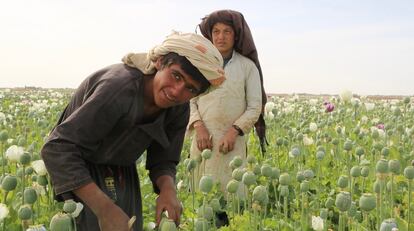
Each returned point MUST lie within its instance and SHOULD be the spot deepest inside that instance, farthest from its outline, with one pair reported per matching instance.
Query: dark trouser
(121, 184)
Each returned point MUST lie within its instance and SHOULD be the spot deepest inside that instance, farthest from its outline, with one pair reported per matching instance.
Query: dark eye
(176, 76)
(192, 90)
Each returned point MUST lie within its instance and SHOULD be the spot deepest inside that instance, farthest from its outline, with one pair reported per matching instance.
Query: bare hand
(167, 200)
(226, 144)
(204, 140)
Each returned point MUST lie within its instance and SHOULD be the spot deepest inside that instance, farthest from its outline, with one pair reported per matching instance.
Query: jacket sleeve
(163, 160)
(194, 113)
(253, 99)
(74, 141)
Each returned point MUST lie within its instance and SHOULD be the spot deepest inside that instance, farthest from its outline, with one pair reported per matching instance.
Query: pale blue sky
(314, 46)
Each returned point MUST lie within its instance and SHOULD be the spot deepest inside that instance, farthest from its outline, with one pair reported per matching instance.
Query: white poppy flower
(307, 141)
(369, 106)
(270, 115)
(4, 211)
(346, 95)
(14, 152)
(269, 107)
(364, 119)
(317, 223)
(313, 127)
(39, 167)
(355, 102)
(313, 102)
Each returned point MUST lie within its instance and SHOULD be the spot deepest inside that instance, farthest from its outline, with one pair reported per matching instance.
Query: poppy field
(340, 162)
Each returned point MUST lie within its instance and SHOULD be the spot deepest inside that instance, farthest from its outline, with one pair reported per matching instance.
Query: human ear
(158, 64)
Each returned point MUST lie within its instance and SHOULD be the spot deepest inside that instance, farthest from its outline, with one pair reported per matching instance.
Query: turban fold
(198, 50)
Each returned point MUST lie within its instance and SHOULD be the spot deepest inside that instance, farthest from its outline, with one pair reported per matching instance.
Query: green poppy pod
(237, 161)
(284, 179)
(352, 210)
(206, 183)
(42, 180)
(335, 141)
(355, 171)
(356, 130)
(69, 206)
(279, 141)
(29, 170)
(391, 185)
(381, 166)
(285, 142)
(394, 166)
(275, 173)
(308, 174)
(215, 204)
(299, 136)
(201, 224)
(367, 202)
(385, 151)
(25, 158)
(251, 159)
(320, 148)
(21, 141)
(206, 154)
(343, 181)
(378, 184)
(257, 170)
(365, 171)
(329, 203)
(34, 178)
(248, 178)
(25, 212)
(375, 134)
(397, 111)
(338, 130)
(409, 172)
(266, 170)
(168, 225)
(300, 176)
(260, 194)
(206, 212)
(9, 183)
(388, 225)
(324, 213)
(406, 100)
(295, 151)
(378, 146)
(232, 186)
(359, 151)
(19, 172)
(30, 196)
(320, 155)
(284, 190)
(304, 186)
(348, 145)
(191, 165)
(343, 201)
(237, 174)
(4, 135)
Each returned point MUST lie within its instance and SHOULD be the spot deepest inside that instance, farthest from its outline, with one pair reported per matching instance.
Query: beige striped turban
(197, 49)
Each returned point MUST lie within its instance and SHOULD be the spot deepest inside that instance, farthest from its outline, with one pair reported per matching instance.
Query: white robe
(237, 101)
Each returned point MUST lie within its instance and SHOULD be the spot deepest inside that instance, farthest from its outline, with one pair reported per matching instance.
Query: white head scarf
(197, 49)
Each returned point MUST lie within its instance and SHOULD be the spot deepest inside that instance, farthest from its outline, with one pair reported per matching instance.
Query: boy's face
(172, 86)
(223, 38)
